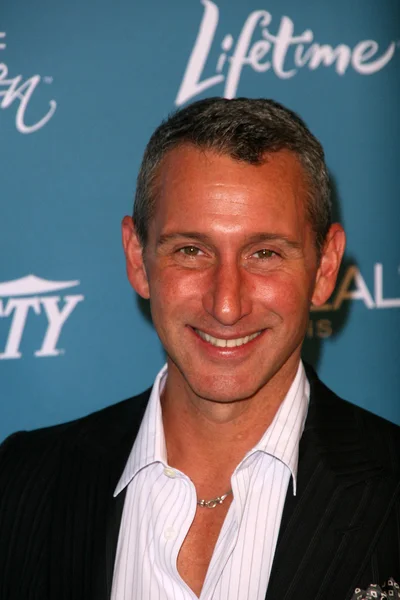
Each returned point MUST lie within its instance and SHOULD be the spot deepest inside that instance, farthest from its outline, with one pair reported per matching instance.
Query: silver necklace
(214, 501)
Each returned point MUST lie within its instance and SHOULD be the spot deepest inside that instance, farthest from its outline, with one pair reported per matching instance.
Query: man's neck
(213, 437)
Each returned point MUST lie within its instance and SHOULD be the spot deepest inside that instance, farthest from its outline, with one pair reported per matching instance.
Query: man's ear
(135, 267)
(331, 258)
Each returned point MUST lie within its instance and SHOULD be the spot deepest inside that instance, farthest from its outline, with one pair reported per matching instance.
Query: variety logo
(352, 286)
(15, 89)
(21, 297)
(264, 46)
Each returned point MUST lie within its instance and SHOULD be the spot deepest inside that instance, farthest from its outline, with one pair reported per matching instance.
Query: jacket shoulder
(102, 428)
(344, 423)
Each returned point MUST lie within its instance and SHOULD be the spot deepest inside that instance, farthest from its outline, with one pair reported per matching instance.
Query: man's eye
(190, 251)
(264, 253)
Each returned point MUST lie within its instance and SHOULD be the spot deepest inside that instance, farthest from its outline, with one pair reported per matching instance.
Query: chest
(166, 541)
(199, 544)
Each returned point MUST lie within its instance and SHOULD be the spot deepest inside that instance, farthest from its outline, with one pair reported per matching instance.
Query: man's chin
(224, 391)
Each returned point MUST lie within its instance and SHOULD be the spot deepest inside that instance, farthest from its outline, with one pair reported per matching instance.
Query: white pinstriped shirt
(160, 505)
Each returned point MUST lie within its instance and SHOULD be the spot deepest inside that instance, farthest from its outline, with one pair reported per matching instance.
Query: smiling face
(231, 269)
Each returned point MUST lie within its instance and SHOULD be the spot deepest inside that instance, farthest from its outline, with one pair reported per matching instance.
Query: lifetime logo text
(263, 49)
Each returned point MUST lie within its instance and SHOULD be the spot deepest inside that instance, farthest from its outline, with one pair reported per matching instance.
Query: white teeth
(226, 343)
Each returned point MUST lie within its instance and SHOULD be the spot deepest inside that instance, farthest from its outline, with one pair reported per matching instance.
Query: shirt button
(169, 533)
(170, 472)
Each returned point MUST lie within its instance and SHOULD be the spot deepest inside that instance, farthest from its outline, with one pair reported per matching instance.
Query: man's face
(231, 269)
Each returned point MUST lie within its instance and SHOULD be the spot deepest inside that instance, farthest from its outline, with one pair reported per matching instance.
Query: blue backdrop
(83, 85)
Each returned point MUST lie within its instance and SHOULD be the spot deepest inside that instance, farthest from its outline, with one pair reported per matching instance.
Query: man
(240, 476)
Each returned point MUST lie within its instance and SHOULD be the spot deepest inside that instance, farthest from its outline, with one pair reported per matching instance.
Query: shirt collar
(149, 446)
(280, 440)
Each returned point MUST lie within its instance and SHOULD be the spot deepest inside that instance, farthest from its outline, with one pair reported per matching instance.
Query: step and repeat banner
(83, 85)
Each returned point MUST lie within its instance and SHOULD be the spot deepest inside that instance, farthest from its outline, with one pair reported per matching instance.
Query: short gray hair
(246, 130)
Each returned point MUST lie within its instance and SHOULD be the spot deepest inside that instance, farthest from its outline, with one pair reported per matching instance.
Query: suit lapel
(115, 507)
(322, 535)
(84, 509)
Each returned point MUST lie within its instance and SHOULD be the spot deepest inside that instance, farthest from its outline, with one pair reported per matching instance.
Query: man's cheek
(278, 288)
(169, 285)
(284, 300)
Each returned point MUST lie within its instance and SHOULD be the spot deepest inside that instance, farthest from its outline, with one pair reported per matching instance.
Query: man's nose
(226, 299)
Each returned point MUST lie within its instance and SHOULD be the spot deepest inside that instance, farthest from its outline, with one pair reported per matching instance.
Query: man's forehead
(201, 190)
(188, 164)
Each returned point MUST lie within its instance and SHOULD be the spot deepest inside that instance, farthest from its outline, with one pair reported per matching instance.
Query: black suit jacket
(59, 521)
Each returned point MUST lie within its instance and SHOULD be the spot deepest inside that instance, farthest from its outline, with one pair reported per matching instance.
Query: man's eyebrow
(253, 239)
(193, 235)
(273, 237)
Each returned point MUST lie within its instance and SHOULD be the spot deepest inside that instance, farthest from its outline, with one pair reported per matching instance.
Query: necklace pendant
(213, 502)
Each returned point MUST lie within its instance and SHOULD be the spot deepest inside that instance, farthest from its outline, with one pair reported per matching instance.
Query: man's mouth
(223, 343)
